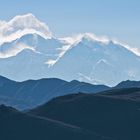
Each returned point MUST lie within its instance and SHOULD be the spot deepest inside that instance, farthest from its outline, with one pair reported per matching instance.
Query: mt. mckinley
(28, 50)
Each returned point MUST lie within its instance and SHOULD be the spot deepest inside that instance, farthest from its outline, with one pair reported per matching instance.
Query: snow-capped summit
(28, 50)
(90, 37)
(22, 25)
(85, 36)
(98, 60)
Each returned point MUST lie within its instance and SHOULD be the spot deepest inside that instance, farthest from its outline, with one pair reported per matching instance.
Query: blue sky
(114, 18)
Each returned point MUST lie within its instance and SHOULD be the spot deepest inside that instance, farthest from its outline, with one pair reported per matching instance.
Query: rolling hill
(16, 125)
(107, 114)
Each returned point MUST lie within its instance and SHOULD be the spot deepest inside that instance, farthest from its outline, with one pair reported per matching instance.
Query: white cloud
(75, 39)
(29, 24)
(22, 25)
(89, 36)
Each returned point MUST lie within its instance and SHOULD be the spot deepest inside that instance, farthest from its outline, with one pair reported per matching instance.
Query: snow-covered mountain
(99, 62)
(28, 50)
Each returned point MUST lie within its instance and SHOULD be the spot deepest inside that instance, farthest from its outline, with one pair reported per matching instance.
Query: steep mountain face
(33, 61)
(108, 114)
(16, 125)
(96, 62)
(29, 94)
(28, 50)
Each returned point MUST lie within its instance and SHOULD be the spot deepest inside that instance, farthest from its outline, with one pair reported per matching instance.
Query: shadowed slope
(19, 126)
(115, 118)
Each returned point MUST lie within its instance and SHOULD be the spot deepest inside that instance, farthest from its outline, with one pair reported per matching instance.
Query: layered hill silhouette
(29, 94)
(106, 114)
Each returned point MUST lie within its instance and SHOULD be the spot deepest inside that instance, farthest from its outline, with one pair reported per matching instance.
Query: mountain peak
(104, 40)
(93, 37)
(28, 48)
(86, 36)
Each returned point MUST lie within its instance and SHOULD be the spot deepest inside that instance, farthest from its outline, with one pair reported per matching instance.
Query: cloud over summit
(21, 25)
(28, 24)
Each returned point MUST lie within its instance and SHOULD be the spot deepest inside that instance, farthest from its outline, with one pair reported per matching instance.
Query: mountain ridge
(30, 93)
(35, 53)
(76, 116)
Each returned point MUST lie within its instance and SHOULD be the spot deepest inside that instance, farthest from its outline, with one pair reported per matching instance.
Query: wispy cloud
(75, 39)
(15, 50)
(29, 24)
(89, 36)
(21, 25)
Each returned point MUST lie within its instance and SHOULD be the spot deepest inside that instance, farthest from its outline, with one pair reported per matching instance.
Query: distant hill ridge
(30, 93)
